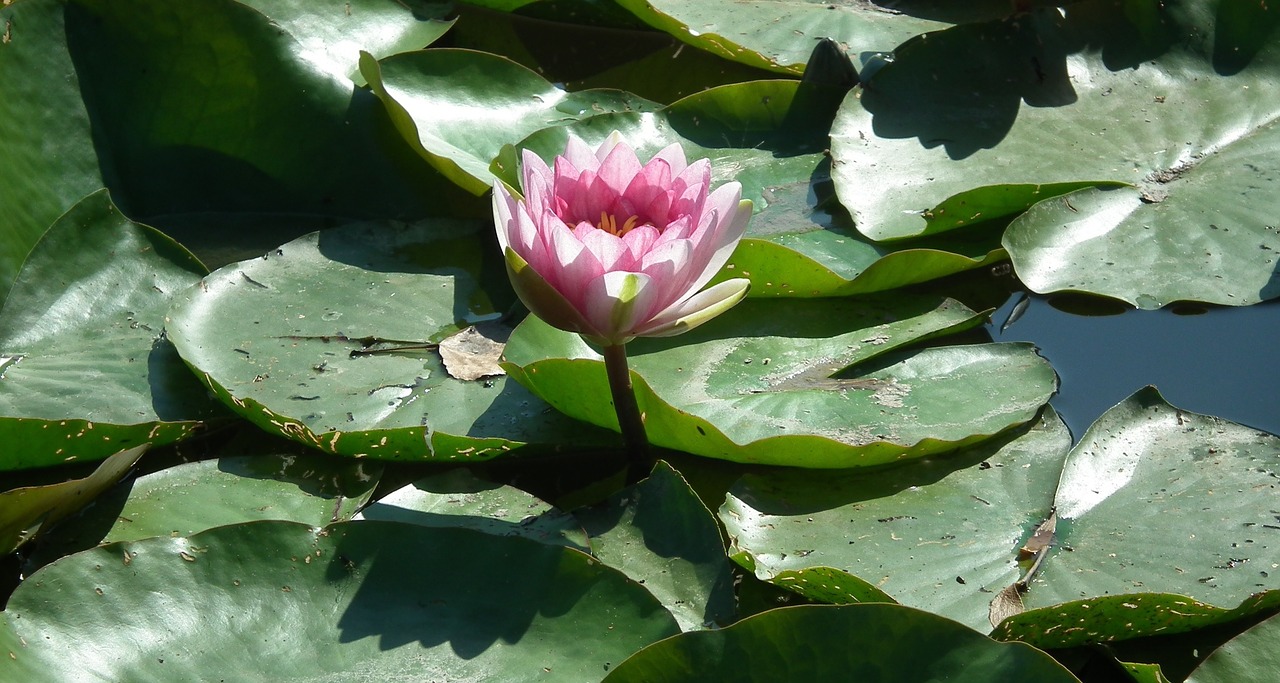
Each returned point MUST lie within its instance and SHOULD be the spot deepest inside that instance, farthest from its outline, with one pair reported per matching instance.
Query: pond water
(1220, 361)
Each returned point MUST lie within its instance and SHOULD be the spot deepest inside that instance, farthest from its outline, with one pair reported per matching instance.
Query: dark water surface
(1221, 362)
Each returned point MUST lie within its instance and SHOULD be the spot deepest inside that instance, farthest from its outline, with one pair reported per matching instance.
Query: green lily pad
(43, 174)
(660, 534)
(767, 382)
(24, 508)
(237, 120)
(1157, 500)
(330, 341)
(458, 498)
(778, 34)
(192, 497)
(657, 532)
(273, 600)
(85, 370)
(1250, 656)
(936, 534)
(981, 121)
(813, 643)
(458, 107)
(769, 136)
(1155, 533)
(332, 35)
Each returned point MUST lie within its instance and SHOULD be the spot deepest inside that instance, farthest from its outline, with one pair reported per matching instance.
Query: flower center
(609, 224)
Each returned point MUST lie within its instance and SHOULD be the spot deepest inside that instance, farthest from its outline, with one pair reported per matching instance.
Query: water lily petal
(606, 247)
(729, 234)
(673, 154)
(619, 168)
(543, 299)
(504, 208)
(652, 180)
(695, 310)
(667, 261)
(582, 157)
(640, 240)
(617, 302)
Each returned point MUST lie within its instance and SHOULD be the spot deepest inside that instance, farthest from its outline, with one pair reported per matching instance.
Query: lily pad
(459, 499)
(981, 121)
(42, 175)
(26, 508)
(934, 534)
(778, 34)
(768, 382)
(660, 534)
(208, 117)
(330, 341)
(458, 107)
(1158, 500)
(1250, 656)
(332, 35)
(812, 643)
(278, 599)
(1161, 527)
(85, 369)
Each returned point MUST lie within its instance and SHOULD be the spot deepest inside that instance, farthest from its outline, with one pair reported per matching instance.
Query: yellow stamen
(610, 224)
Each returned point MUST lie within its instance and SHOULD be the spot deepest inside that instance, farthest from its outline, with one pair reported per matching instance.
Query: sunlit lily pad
(936, 534)
(330, 340)
(1161, 515)
(458, 107)
(767, 382)
(332, 35)
(279, 600)
(779, 34)
(85, 370)
(983, 120)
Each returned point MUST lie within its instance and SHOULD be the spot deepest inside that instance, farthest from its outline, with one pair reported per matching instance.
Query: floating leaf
(458, 107)
(278, 600)
(459, 499)
(1250, 656)
(660, 534)
(49, 158)
(330, 341)
(21, 509)
(86, 369)
(766, 382)
(938, 534)
(778, 34)
(813, 643)
(983, 120)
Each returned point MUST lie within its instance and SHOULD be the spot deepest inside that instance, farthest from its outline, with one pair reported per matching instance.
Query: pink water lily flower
(612, 249)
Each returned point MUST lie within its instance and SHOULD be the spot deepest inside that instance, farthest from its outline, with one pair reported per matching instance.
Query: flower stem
(629, 418)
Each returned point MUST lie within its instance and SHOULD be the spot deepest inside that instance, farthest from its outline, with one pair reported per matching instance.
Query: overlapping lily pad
(332, 35)
(272, 600)
(42, 175)
(934, 535)
(85, 370)
(1250, 656)
(939, 534)
(458, 107)
(958, 128)
(779, 34)
(1140, 465)
(656, 531)
(839, 643)
(329, 340)
(767, 382)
